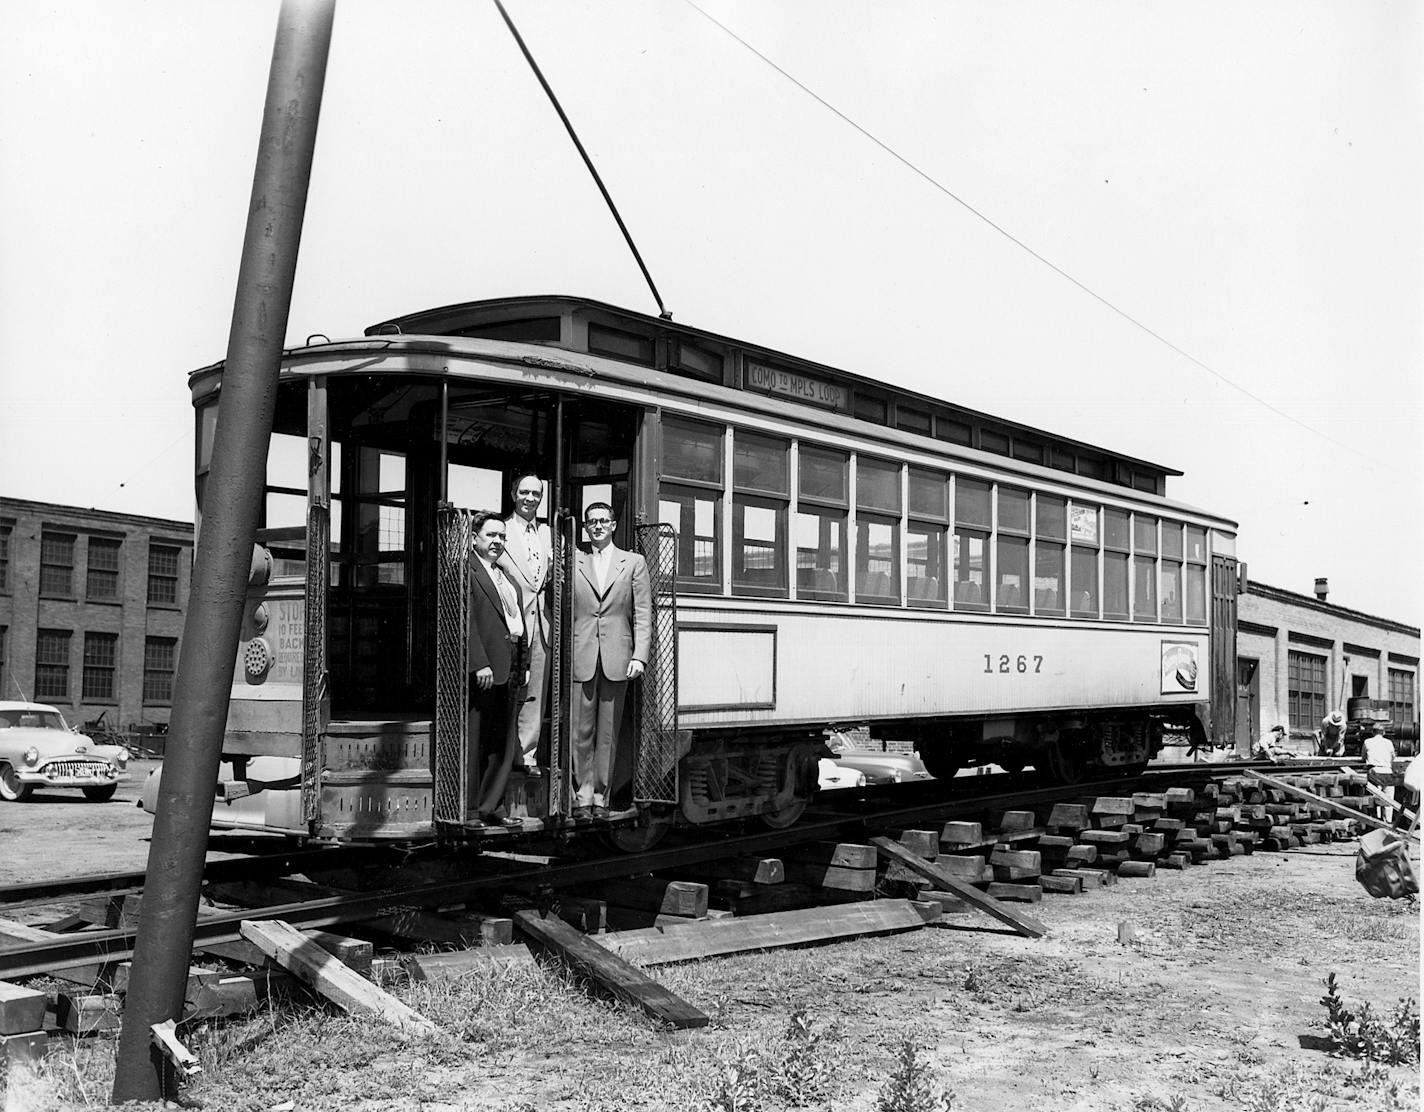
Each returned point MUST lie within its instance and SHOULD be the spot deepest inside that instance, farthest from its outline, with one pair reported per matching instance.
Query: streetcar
(825, 550)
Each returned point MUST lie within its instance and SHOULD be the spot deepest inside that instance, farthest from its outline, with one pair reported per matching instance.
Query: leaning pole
(231, 499)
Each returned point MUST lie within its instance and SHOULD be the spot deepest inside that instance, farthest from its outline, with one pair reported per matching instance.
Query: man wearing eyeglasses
(613, 626)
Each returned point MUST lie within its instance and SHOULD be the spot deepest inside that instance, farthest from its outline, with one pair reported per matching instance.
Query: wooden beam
(609, 970)
(1332, 804)
(330, 977)
(1024, 924)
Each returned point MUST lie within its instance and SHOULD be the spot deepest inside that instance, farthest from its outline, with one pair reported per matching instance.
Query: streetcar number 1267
(1006, 663)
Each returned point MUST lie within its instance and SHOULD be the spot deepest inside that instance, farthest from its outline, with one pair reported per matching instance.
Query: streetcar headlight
(32, 756)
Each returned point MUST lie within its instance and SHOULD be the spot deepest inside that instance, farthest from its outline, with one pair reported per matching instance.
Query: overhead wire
(587, 161)
(928, 178)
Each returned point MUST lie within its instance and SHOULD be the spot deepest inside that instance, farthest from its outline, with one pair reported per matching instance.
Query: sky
(1188, 232)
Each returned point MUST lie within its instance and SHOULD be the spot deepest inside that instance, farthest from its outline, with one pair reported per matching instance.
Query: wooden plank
(1066, 885)
(1136, 868)
(22, 1010)
(942, 878)
(438, 967)
(768, 932)
(949, 903)
(325, 973)
(612, 971)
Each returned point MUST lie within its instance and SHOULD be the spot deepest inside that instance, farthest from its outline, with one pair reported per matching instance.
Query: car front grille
(76, 769)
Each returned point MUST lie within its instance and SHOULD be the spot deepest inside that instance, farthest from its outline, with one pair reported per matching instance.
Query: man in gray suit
(613, 628)
(528, 556)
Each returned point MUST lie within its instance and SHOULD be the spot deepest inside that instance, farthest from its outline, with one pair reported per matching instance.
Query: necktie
(531, 542)
(512, 618)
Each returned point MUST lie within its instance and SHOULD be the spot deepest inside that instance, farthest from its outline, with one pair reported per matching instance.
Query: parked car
(878, 767)
(833, 775)
(38, 749)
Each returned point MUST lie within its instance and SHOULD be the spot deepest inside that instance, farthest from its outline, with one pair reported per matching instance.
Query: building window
(761, 492)
(877, 531)
(822, 500)
(1011, 552)
(102, 581)
(1305, 688)
(52, 664)
(159, 657)
(1050, 541)
(926, 578)
(101, 652)
(1144, 568)
(5, 531)
(690, 499)
(1401, 697)
(162, 575)
(971, 544)
(57, 565)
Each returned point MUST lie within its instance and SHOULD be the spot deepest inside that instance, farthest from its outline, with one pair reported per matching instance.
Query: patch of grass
(911, 1086)
(1393, 1040)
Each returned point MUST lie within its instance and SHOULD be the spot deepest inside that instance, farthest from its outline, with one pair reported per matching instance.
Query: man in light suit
(528, 556)
(495, 649)
(613, 627)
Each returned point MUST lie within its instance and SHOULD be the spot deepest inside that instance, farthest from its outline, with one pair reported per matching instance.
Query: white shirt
(531, 544)
(508, 596)
(601, 560)
(1379, 753)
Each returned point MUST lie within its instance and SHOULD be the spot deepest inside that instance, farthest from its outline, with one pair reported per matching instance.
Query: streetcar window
(877, 485)
(1028, 450)
(1115, 585)
(1171, 591)
(1011, 552)
(1195, 574)
(820, 554)
(956, 432)
(603, 340)
(692, 450)
(696, 515)
(912, 420)
(871, 409)
(696, 362)
(759, 463)
(971, 503)
(1144, 588)
(536, 330)
(925, 575)
(1051, 530)
(1083, 581)
(758, 545)
(995, 442)
(969, 551)
(822, 500)
(822, 475)
(927, 494)
(877, 560)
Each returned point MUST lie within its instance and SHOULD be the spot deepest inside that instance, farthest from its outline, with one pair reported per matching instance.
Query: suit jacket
(489, 645)
(515, 560)
(614, 623)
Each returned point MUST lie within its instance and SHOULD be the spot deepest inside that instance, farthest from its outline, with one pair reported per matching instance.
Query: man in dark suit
(613, 629)
(496, 657)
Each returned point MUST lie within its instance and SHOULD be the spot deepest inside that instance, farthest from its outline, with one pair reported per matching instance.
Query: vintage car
(831, 775)
(38, 749)
(878, 767)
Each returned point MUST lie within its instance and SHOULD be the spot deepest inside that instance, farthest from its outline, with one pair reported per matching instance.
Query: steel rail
(30, 959)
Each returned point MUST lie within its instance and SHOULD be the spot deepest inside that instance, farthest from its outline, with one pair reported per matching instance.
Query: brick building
(91, 610)
(1299, 657)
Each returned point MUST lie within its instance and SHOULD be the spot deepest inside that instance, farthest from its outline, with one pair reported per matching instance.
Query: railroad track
(842, 816)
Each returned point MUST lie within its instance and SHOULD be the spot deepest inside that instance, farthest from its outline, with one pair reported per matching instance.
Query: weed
(801, 1075)
(910, 1086)
(739, 1086)
(1157, 1104)
(1363, 1034)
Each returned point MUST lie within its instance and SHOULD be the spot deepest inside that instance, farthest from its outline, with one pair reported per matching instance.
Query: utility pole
(231, 499)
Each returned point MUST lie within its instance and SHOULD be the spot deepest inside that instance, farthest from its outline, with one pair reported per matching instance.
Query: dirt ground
(1213, 1005)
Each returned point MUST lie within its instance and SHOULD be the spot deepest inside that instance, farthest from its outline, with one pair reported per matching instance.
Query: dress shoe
(599, 812)
(581, 814)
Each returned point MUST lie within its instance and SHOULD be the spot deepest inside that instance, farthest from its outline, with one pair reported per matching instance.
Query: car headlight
(859, 780)
(32, 756)
(899, 775)
(122, 757)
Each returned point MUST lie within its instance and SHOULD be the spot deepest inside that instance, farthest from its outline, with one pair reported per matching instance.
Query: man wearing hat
(1330, 738)
(1272, 745)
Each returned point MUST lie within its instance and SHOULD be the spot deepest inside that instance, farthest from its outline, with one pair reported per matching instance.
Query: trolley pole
(231, 499)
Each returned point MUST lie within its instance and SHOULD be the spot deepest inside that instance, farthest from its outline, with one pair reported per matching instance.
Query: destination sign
(773, 380)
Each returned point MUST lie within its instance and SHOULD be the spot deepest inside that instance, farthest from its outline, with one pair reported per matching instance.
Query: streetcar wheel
(11, 788)
(779, 818)
(638, 838)
(1064, 767)
(101, 794)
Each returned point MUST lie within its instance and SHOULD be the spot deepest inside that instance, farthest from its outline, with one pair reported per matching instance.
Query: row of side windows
(54, 665)
(816, 523)
(58, 564)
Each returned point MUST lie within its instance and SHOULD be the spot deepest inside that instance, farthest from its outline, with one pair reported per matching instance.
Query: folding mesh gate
(452, 621)
(655, 772)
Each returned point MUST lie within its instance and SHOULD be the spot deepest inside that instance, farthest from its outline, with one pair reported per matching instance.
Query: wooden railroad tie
(942, 878)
